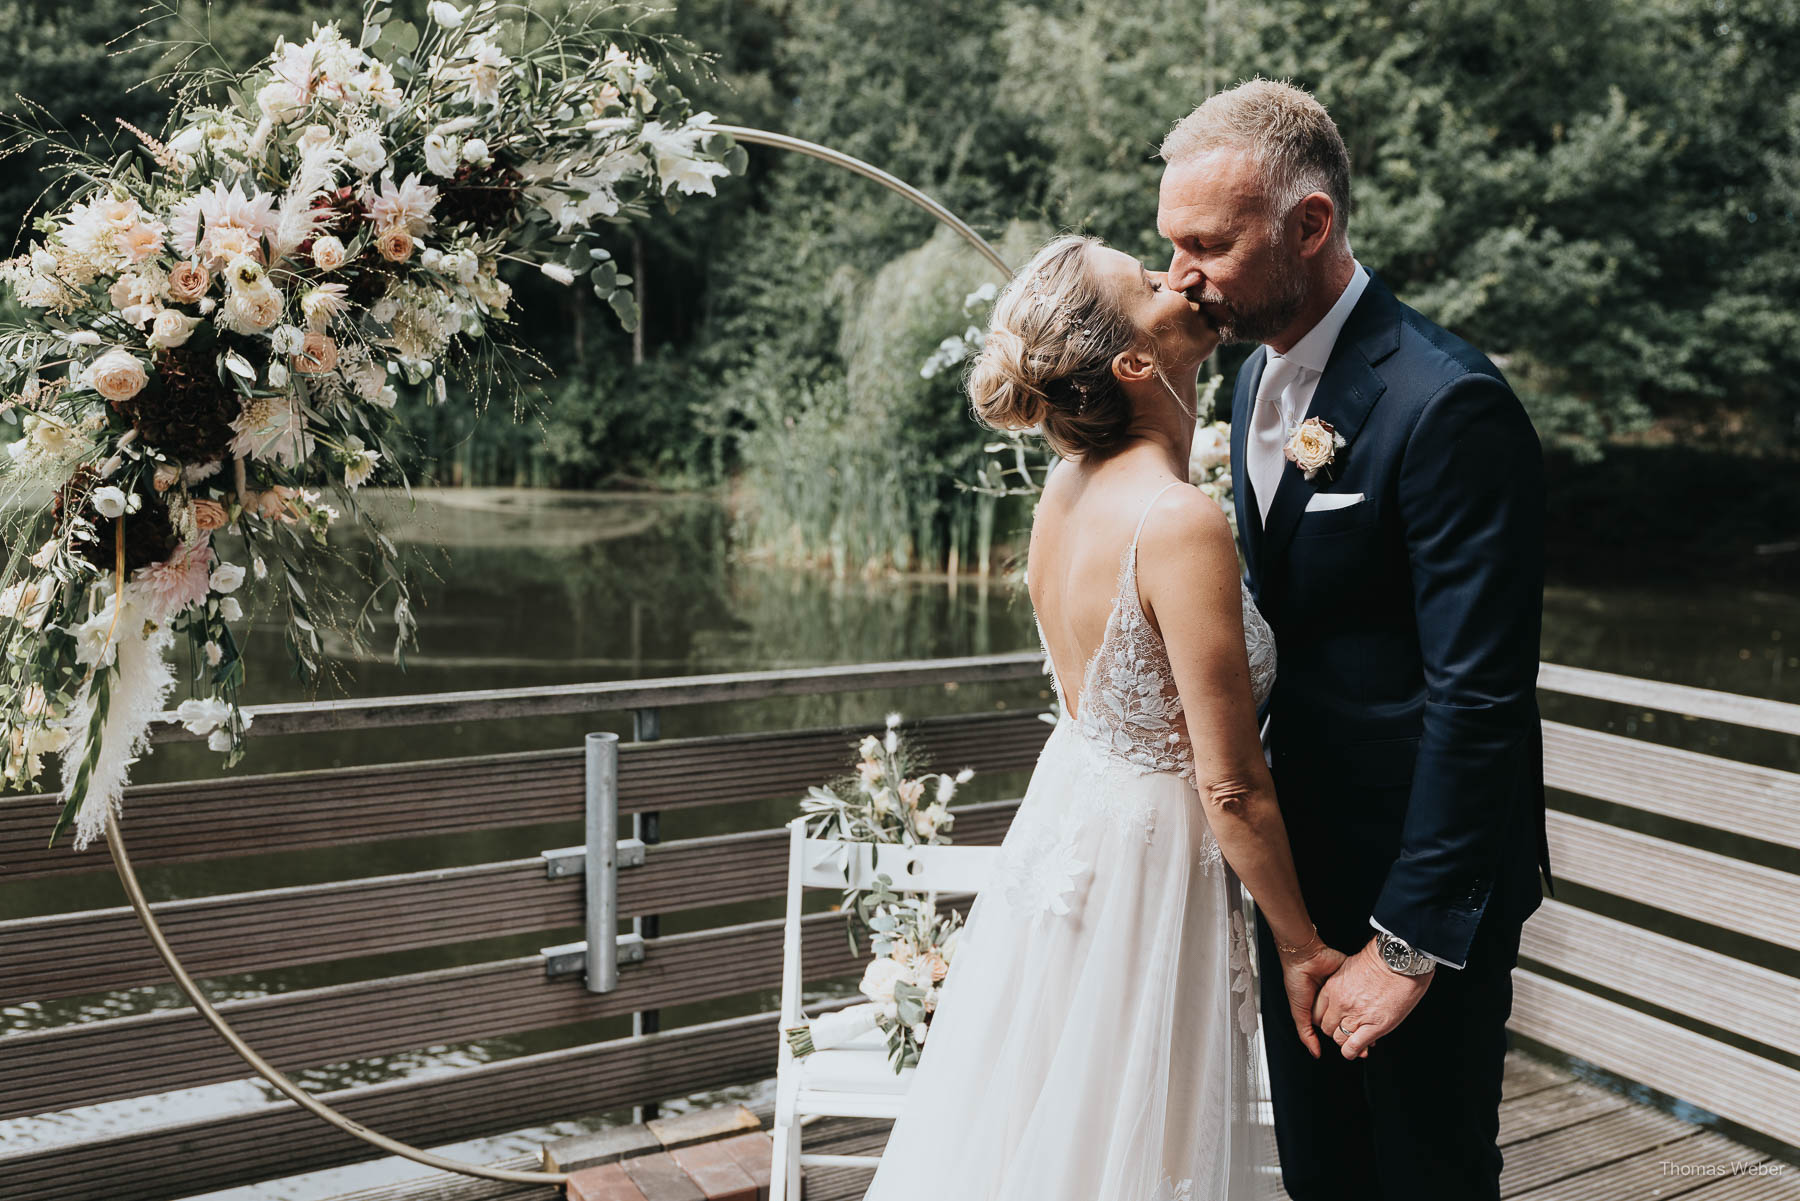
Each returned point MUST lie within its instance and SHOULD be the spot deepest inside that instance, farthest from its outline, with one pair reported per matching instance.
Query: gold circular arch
(134, 891)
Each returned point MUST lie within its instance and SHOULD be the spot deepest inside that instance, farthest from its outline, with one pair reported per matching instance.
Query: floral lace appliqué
(1039, 868)
(1243, 973)
(1169, 1190)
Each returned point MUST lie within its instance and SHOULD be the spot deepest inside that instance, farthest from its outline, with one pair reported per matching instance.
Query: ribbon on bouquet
(833, 1029)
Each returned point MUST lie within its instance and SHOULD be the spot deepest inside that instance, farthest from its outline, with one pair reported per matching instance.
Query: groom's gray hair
(1293, 140)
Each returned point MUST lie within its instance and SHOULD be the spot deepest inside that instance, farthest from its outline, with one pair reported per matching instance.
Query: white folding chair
(856, 1080)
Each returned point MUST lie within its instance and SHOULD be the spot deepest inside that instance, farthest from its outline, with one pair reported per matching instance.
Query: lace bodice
(1129, 706)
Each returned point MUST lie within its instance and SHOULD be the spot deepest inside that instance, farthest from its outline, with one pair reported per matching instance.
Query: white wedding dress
(1098, 1037)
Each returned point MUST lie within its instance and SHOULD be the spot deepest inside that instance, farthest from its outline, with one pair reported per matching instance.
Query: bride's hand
(1303, 974)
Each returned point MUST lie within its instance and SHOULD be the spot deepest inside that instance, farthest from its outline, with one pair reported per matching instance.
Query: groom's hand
(1368, 998)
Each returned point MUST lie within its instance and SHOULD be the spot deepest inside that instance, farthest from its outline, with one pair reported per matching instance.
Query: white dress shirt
(1285, 391)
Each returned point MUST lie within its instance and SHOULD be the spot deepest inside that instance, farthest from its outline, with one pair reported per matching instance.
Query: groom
(1390, 502)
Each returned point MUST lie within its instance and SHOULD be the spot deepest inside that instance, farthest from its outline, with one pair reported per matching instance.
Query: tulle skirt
(1098, 1037)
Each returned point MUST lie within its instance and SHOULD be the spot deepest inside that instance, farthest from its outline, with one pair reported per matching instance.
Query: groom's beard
(1284, 293)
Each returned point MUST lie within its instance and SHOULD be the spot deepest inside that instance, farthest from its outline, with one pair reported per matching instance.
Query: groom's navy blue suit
(1405, 741)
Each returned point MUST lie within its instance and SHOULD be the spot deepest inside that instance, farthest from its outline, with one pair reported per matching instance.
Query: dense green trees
(1601, 193)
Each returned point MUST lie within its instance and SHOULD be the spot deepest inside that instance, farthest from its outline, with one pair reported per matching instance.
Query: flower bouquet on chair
(882, 801)
(913, 946)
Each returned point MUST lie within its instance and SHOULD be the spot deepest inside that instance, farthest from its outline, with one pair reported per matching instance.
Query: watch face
(1397, 955)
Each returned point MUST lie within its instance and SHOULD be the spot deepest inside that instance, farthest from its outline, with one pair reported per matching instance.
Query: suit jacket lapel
(1347, 391)
(1249, 520)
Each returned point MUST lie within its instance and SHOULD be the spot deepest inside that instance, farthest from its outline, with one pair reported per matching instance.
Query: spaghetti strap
(1146, 514)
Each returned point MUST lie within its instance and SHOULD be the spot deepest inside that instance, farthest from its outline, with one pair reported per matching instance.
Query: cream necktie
(1269, 429)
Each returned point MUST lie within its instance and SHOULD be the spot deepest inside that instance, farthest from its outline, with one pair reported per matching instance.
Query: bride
(1098, 1039)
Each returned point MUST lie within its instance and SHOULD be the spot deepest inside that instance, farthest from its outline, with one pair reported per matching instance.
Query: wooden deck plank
(1783, 1185)
(1550, 1109)
(1645, 1175)
(448, 1186)
(1564, 1139)
(1586, 1146)
(1524, 1075)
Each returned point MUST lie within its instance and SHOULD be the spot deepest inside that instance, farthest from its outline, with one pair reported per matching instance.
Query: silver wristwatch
(1401, 956)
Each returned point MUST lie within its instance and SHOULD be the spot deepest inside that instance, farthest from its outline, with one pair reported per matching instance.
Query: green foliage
(865, 467)
(1598, 193)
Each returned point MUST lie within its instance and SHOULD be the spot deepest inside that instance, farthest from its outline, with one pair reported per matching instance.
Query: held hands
(1364, 1000)
(1303, 973)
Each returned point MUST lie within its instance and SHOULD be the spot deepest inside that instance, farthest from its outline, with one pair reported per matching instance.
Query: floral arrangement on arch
(216, 323)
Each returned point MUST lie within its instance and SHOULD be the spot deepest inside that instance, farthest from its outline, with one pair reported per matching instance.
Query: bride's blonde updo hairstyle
(1047, 360)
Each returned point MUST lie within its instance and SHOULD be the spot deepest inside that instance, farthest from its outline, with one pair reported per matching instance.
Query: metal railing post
(601, 879)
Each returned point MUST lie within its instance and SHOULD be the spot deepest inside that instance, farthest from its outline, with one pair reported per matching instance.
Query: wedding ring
(1343, 1029)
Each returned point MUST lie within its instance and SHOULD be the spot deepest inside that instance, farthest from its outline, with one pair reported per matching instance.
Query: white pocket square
(1333, 500)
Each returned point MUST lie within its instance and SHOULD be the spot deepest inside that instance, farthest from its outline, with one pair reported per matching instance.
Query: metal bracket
(570, 958)
(565, 863)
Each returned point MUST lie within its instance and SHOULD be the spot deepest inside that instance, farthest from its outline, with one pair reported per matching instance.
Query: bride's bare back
(1084, 524)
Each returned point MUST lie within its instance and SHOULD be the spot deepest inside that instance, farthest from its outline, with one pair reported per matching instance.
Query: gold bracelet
(1287, 950)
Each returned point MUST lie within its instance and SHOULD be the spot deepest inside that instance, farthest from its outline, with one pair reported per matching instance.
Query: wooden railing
(1699, 1016)
(1592, 982)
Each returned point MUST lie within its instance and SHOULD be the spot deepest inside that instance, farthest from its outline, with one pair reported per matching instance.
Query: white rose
(364, 152)
(314, 137)
(110, 501)
(1313, 444)
(226, 577)
(879, 979)
(171, 328)
(327, 253)
(447, 15)
(230, 610)
(252, 310)
(1212, 448)
(117, 375)
(475, 153)
(280, 101)
(286, 339)
(440, 154)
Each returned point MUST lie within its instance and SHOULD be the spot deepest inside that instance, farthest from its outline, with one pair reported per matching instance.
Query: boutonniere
(1312, 445)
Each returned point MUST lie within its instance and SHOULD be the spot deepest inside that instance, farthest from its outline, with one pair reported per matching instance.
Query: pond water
(531, 587)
